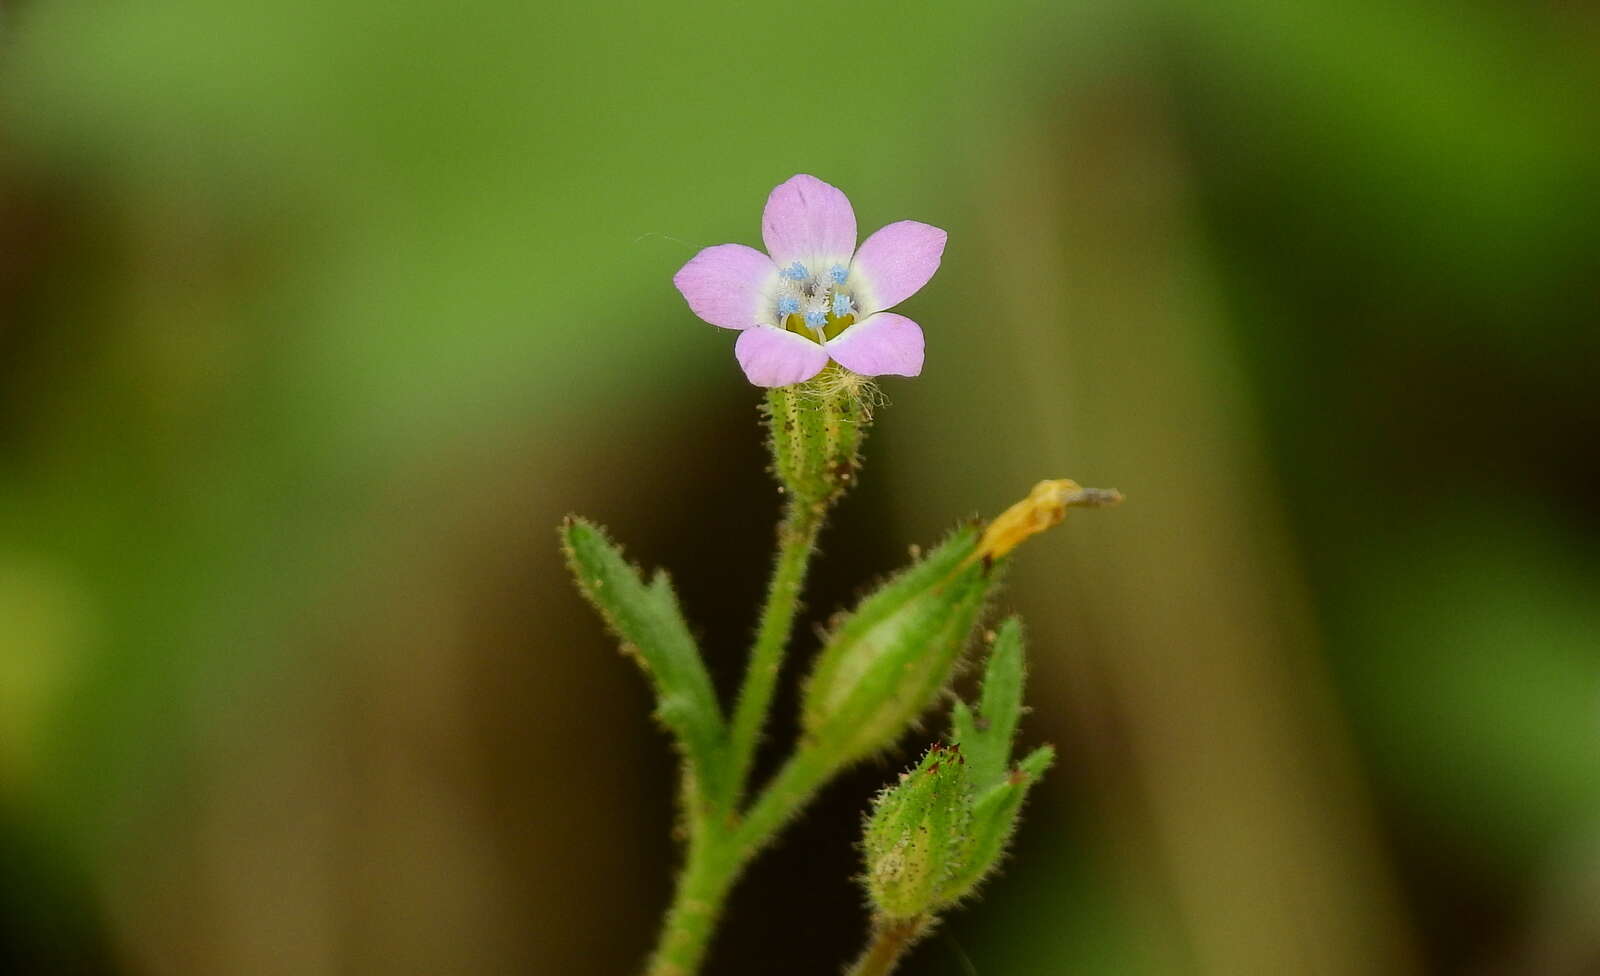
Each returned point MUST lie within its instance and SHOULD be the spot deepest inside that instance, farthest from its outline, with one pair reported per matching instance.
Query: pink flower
(817, 297)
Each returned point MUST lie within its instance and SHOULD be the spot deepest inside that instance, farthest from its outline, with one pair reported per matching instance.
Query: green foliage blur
(317, 317)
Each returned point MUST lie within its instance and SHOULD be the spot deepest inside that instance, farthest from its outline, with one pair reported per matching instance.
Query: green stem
(797, 539)
(722, 842)
(710, 871)
(891, 938)
(717, 858)
(794, 785)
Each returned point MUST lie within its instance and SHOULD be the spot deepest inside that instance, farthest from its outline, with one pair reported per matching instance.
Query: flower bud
(815, 432)
(915, 835)
(886, 663)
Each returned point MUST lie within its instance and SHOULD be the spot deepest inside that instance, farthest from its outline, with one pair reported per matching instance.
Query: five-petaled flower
(817, 297)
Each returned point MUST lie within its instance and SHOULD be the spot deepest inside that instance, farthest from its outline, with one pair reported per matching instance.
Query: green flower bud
(815, 433)
(934, 837)
(915, 835)
(887, 662)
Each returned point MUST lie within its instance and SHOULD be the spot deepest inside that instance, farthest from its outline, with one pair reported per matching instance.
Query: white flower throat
(816, 306)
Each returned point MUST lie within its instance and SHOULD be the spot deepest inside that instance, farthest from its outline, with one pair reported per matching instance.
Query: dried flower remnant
(1045, 506)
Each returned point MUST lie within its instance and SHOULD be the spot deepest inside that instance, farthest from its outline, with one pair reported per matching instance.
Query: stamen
(795, 272)
(842, 305)
(838, 273)
(816, 319)
(788, 305)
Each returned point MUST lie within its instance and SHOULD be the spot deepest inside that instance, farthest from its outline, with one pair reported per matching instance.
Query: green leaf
(986, 737)
(647, 620)
(1035, 763)
(993, 822)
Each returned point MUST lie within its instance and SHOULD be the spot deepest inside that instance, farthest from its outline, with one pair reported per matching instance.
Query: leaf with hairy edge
(986, 737)
(646, 618)
(992, 824)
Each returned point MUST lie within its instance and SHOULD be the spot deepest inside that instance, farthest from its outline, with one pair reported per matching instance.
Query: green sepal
(648, 622)
(886, 663)
(986, 737)
(992, 823)
(814, 430)
(914, 835)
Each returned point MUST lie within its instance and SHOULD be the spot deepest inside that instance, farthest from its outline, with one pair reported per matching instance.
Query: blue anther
(842, 306)
(816, 320)
(788, 305)
(795, 272)
(838, 273)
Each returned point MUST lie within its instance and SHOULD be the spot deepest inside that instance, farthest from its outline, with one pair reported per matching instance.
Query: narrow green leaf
(651, 628)
(992, 824)
(1035, 763)
(963, 727)
(986, 736)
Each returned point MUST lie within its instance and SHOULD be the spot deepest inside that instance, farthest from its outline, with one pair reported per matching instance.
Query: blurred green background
(315, 317)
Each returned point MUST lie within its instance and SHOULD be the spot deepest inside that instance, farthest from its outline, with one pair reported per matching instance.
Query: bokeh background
(317, 315)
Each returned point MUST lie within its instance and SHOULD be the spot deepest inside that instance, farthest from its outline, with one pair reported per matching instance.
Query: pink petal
(727, 284)
(897, 261)
(773, 357)
(879, 344)
(807, 220)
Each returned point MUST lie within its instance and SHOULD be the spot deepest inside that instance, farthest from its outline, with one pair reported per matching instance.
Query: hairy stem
(790, 790)
(717, 858)
(797, 539)
(891, 938)
(696, 906)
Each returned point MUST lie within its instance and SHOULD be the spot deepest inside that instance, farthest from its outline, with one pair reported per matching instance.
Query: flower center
(817, 306)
